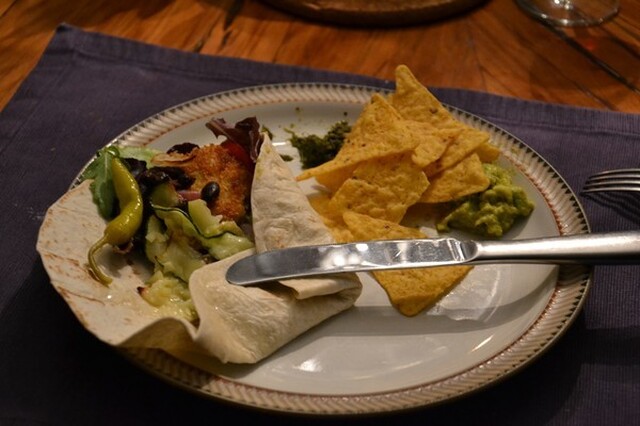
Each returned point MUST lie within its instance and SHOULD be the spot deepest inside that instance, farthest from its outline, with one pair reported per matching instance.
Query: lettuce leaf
(99, 170)
(245, 133)
(141, 153)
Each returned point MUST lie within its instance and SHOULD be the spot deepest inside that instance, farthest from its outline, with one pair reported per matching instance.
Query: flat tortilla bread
(237, 324)
(283, 217)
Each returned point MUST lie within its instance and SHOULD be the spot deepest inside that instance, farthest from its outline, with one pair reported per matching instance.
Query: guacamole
(490, 213)
(315, 150)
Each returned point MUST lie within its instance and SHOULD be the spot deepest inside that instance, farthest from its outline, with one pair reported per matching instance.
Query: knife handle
(604, 248)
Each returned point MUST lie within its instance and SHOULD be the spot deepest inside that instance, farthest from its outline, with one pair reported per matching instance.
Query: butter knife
(305, 261)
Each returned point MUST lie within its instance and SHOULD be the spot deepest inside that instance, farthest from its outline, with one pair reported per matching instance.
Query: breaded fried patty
(214, 163)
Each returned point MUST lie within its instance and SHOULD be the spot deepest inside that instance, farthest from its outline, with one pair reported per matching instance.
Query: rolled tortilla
(283, 217)
(237, 324)
(252, 322)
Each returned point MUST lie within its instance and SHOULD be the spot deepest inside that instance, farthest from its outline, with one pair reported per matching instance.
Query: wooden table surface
(494, 47)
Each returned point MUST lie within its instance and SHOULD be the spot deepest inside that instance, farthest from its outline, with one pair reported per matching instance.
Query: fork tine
(614, 177)
(612, 189)
(613, 180)
(634, 171)
(634, 187)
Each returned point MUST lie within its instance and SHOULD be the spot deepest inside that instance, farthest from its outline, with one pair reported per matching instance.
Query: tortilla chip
(379, 131)
(409, 290)
(487, 152)
(332, 219)
(467, 142)
(383, 188)
(415, 102)
(465, 178)
(413, 290)
(433, 145)
(332, 181)
(366, 228)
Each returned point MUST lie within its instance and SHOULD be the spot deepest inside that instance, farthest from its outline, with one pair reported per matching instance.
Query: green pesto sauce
(490, 213)
(315, 150)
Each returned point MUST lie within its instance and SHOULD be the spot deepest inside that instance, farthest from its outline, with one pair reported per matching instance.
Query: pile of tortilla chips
(403, 149)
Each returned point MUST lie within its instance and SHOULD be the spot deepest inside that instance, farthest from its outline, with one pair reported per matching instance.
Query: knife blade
(305, 261)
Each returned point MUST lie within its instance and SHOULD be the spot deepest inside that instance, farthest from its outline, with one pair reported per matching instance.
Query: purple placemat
(88, 88)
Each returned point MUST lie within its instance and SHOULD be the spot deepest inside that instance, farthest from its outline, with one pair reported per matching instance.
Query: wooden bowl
(374, 12)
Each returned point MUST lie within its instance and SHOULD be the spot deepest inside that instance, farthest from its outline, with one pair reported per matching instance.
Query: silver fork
(613, 180)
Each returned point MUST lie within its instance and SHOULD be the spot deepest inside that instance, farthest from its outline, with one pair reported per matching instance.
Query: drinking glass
(571, 13)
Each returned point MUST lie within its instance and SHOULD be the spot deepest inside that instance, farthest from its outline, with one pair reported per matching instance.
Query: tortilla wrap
(237, 324)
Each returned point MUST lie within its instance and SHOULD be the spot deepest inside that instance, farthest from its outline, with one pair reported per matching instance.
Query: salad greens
(99, 170)
(178, 232)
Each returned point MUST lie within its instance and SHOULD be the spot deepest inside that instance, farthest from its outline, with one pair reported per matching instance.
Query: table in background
(493, 47)
(54, 372)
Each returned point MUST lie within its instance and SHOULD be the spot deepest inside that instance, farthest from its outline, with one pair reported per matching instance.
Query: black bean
(210, 192)
(182, 148)
(136, 167)
(153, 176)
(157, 175)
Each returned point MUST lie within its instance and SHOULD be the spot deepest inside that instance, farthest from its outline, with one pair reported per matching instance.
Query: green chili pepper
(123, 227)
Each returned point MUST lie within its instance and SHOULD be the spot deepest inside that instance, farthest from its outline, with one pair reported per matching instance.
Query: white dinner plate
(371, 358)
